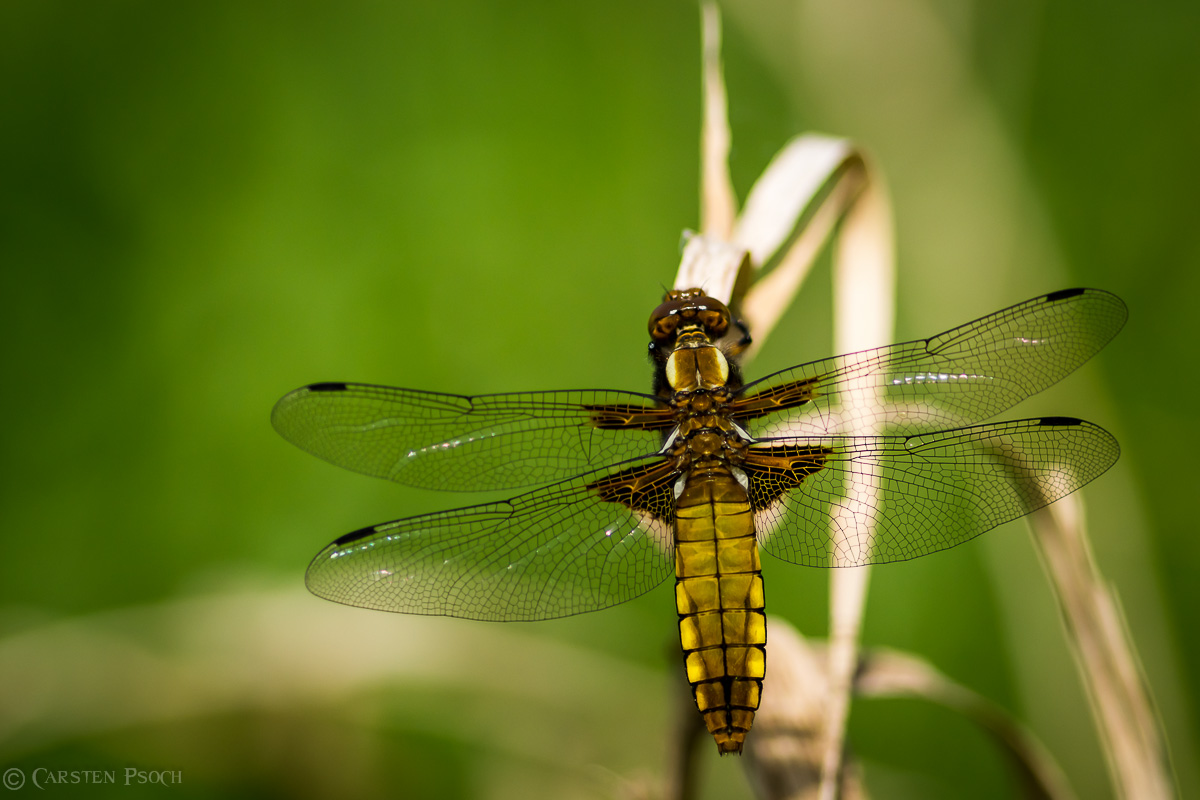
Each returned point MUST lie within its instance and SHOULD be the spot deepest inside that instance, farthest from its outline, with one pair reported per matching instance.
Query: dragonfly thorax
(689, 369)
(705, 432)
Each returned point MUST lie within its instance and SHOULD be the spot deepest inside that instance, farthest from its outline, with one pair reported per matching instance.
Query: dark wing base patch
(648, 489)
(630, 417)
(790, 395)
(774, 471)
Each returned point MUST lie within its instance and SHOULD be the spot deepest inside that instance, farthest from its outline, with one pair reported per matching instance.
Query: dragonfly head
(688, 311)
(684, 330)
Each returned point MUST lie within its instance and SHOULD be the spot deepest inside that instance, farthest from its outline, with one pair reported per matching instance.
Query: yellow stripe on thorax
(719, 596)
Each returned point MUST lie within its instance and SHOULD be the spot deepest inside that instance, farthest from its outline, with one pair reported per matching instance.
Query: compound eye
(664, 320)
(715, 319)
(663, 328)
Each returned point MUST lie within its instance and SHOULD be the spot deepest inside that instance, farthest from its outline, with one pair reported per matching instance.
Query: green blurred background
(205, 205)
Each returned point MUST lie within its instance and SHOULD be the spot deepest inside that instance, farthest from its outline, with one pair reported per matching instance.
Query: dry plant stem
(1120, 701)
(864, 298)
(887, 673)
(718, 205)
(713, 265)
(785, 759)
(794, 207)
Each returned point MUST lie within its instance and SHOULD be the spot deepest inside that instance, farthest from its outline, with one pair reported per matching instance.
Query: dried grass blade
(790, 213)
(864, 299)
(784, 757)
(888, 673)
(718, 205)
(1129, 728)
(788, 191)
(714, 265)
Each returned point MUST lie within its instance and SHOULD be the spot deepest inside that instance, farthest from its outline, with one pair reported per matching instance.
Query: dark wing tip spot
(354, 536)
(327, 387)
(1063, 294)
(1066, 421)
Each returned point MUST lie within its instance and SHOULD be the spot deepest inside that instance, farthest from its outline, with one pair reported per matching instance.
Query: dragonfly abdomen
(719, 596)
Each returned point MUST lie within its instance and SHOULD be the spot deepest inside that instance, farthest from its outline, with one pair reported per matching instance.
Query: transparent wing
(579, 545)
(959, 377)
(845, 501)
(444, 441)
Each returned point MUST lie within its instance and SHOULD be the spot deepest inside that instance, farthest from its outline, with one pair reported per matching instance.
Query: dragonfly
(873, 457)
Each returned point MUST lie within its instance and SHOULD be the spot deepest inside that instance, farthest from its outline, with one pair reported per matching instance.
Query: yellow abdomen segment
(719, 596)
